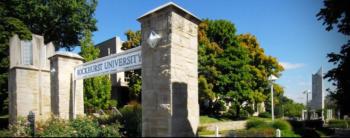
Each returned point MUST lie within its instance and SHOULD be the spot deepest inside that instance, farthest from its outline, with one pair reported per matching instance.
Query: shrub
(111, 130)
(296, 124)
(262, 128)
(5, 133)
(243, 114)
(20, 128)
(313, 123)
(256, 123)
(282, 125)
(265, 115)
(255, 132)
(108, 119)
(55, 127)
(338, 124)
(231, 113)
(131, 119)
(85, 127)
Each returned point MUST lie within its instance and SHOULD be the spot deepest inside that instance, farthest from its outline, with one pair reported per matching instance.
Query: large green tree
(60, 22)
(337, 13)
(97, 90)
(261, 67)
(233, 66)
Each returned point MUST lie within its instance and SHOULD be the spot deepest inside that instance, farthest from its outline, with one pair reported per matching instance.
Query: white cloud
(289, 66)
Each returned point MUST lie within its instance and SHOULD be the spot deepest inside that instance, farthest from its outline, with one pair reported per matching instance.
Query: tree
(337, 12)
(287, 107)
(61, 22)
(134, 76)
(233, 66)
(262, 66)
(97, 90)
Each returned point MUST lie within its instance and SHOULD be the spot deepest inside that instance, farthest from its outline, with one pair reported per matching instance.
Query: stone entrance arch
(167, 57)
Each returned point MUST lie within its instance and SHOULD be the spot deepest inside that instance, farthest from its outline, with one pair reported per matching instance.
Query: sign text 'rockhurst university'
(127, 60)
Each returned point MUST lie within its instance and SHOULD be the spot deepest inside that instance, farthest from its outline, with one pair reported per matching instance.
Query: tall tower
(317, 101)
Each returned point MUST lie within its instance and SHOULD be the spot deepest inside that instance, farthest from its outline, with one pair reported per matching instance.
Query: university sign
(125, 61)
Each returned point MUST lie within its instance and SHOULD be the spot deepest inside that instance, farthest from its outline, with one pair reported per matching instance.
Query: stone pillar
(62, 67)
(169, 72)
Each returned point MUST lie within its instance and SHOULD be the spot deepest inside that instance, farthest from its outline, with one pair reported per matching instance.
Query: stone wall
(31, 77)
(29, 84)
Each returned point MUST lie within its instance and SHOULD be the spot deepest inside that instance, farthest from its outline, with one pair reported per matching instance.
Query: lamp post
(307, 102)
(272, 78)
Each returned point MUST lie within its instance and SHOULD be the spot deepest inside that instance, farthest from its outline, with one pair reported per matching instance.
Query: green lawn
(206, 119)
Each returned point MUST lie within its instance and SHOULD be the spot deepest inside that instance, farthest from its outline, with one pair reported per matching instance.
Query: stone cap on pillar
(67, 54)
(176, 8)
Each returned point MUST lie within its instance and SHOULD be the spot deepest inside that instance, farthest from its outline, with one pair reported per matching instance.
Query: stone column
(169, 73)
(62, 67)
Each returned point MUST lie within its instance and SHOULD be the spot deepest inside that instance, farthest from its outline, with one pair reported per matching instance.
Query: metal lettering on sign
(125, 61)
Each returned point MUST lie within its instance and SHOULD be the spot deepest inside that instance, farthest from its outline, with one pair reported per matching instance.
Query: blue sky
(287, 30)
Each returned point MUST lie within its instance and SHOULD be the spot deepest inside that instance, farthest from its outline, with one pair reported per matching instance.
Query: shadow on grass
(311, 128)
(4, 121)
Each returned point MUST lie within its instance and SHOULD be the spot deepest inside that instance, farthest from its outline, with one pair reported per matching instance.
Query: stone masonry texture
(43, 86)
(169, 74)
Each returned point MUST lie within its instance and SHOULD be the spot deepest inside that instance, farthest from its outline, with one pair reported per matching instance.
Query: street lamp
(307, 102)
(272, 78)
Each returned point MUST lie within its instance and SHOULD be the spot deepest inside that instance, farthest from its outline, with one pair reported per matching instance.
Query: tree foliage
(133, 39)
(287, 107)
(337, 12)
(233, 66)
(97, 90)
(61, 22)
(134, 76)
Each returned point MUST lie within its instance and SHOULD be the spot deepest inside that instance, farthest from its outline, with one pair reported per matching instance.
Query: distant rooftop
(166, 5)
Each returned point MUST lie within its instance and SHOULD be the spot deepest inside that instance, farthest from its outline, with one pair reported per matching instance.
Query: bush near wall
(313, 123)
(338, 123)
(131, 120)
(55, 127)
(265, 115)
(263, 128)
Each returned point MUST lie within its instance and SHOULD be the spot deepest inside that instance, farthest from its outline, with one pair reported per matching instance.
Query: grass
(207, 132)
(210, 132)
(260, 118)
(206, 119)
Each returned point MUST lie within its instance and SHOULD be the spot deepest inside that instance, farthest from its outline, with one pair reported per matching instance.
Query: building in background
(317, 102)
(119, 85)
